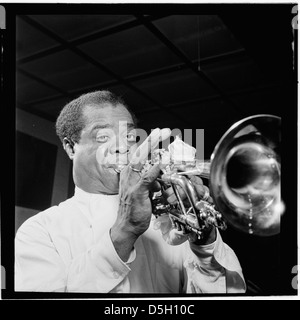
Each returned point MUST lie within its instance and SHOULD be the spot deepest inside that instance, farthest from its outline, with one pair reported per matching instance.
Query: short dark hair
(70, 121)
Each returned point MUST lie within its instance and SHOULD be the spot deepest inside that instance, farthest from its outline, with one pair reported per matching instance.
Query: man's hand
(135, 208)
(201, 189)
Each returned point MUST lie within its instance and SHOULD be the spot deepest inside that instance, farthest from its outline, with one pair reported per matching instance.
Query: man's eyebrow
(107, 125)
(131, 125)
(101, 126)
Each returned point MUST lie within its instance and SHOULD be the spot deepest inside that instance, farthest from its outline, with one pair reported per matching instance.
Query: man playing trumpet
(104, 239)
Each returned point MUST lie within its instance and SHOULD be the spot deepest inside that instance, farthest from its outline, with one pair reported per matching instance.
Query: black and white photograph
(153, 152)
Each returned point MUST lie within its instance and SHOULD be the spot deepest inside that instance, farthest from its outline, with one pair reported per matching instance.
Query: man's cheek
(101, 155)
(132, 150)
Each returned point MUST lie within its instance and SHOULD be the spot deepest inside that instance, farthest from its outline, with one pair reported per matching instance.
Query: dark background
(150, 54)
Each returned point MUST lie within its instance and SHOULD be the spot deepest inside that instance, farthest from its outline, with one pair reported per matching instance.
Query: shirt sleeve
(214, 268)
(39, 267)
(100, 270)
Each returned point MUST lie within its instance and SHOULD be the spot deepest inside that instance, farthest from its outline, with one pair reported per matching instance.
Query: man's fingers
(201, 190)
(155, 186)
(196, 180)
(170, 195)
(203, 193)
(152, 141)
(148, 179)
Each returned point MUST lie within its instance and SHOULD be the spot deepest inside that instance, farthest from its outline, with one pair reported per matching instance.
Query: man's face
(107, 141)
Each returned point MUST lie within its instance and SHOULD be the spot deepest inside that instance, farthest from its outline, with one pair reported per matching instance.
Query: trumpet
(244, 181)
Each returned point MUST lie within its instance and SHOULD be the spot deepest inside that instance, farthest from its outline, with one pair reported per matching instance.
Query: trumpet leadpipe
(201, 168)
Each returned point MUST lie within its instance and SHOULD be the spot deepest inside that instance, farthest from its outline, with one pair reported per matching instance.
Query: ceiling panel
(66, 70)
(198, 36)
(71, 27)
(151, 61)
(137, 102)
(29, 90)
(207, 112)
(48, 108)
(130, 52)
(30, 40)
(176, 87)
(238, 74)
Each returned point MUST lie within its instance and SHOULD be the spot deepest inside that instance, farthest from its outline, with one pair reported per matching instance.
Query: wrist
(123, 241)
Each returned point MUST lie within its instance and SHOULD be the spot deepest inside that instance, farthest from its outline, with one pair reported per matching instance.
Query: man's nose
(120, 145)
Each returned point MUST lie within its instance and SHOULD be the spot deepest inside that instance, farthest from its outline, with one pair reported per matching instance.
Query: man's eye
(102, 138)
(131, 137)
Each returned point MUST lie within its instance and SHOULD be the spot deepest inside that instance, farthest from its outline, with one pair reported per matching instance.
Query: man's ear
(69, 147)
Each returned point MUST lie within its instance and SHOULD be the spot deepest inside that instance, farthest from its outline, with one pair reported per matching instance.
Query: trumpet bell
(245, 175)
